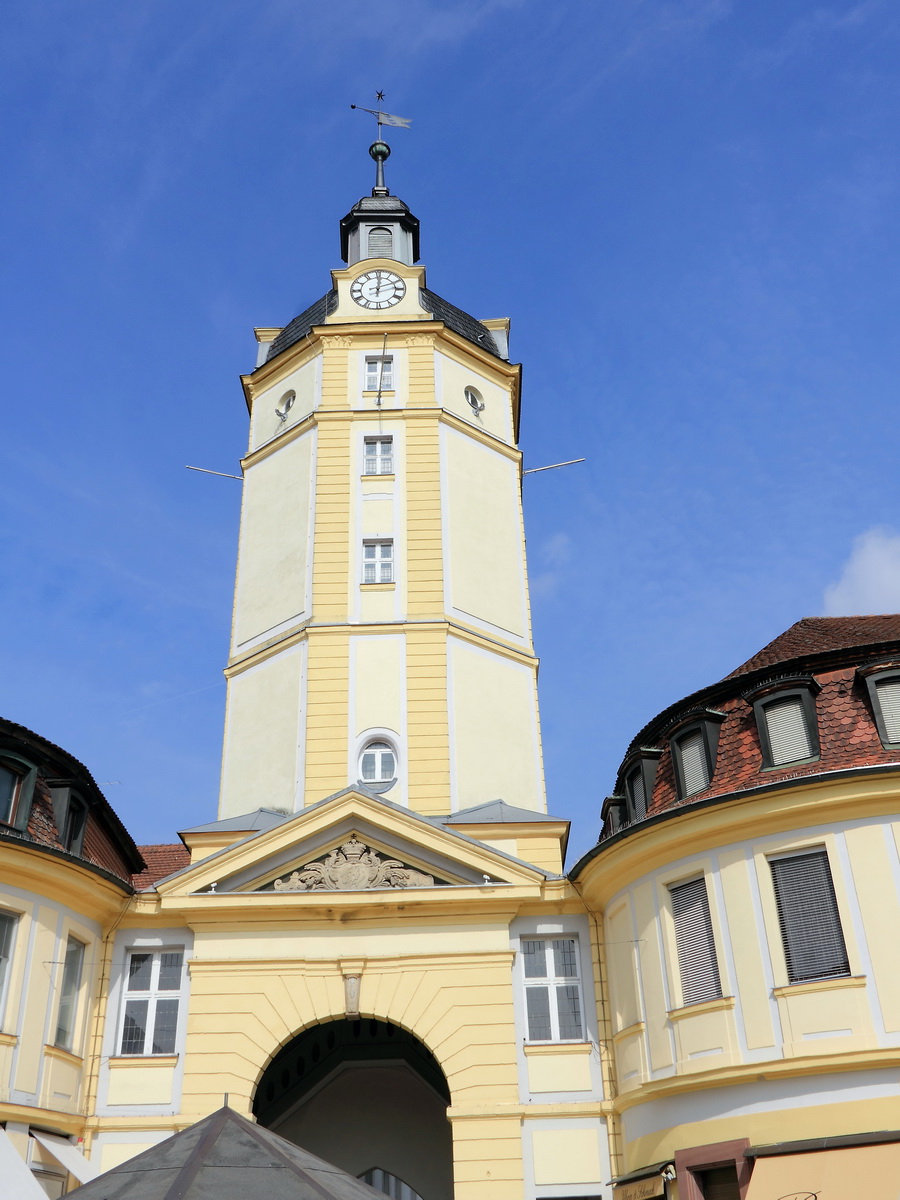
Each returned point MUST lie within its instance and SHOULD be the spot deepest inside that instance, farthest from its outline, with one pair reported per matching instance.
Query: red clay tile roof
(161, 861)
(818, 635)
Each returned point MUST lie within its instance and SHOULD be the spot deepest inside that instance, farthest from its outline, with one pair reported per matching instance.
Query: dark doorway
(366, 1096)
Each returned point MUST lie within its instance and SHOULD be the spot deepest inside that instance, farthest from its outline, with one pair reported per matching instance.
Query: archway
(368, 1097)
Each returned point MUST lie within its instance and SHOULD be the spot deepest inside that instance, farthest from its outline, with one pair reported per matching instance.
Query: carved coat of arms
(352, 868)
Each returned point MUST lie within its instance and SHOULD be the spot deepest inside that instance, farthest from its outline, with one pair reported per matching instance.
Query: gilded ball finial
(380, 151)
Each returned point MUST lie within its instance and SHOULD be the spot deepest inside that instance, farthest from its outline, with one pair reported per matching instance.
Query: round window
(285, 404)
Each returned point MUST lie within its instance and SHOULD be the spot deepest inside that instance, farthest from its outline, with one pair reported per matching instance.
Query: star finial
(379, 95)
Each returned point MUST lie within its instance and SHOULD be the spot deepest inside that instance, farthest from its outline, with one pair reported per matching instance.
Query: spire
(380, 225)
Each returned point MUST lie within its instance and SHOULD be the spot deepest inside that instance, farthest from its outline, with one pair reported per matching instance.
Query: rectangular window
(68, 993)
(150, 1018)
(808, 914)
(379, 456)
(380, 373)
(788, 733)
(697, 963)
(637, 795)
(888, 693)
(552, 990)
(694, 765)
(7, 936)
(10, 785)
(378, 561)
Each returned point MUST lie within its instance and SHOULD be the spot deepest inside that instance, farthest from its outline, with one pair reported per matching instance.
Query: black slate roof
(300, 326)
(442, 310)
(225, 1157)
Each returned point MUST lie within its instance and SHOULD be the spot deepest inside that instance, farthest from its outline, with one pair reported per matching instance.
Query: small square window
(379, 456)
(378, 561)
(380, 373)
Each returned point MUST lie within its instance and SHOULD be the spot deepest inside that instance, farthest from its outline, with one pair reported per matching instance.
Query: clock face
(378, 289)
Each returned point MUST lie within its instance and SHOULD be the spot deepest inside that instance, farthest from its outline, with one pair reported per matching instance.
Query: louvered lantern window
(691, 751)
(808, 914)
(694, 940)
(888, 693)
(381, 243)
(788, 731)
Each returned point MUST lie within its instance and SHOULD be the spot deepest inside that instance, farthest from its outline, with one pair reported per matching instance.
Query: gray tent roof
(226, 1157)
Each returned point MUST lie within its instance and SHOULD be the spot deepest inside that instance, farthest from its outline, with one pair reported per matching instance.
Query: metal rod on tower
(552, 467)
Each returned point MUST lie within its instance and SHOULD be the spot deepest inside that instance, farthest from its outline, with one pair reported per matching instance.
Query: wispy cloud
(802, 36)
(552, 558)
(870, 579)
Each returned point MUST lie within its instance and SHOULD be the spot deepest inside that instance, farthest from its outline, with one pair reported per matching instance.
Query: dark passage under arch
(364, 1095)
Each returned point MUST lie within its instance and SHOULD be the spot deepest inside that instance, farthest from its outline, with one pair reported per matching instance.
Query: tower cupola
(380, 225)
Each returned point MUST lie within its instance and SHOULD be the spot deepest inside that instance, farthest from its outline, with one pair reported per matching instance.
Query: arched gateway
(368, 1097)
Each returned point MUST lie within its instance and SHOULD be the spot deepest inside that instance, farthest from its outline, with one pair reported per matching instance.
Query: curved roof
(822, 635)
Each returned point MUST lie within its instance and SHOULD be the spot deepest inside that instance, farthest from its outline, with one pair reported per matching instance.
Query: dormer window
(10, 788)
(694, 749)
(786, 721)
(640, 775)
(380, 243)
(884, 696)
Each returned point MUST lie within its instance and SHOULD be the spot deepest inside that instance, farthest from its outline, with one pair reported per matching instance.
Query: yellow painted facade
(376, 933)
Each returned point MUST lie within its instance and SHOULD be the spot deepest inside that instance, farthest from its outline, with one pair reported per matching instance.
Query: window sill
(9, 1039)
(64, 1055)
(795, 762)
(118, 1061)
(378, 587)
(537, 1049)
(833, 983)
(372, 394)
(717, 1004)
(382, 477)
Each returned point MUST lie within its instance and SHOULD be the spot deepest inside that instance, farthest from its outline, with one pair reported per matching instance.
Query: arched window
(381, 243)
(378, 765)
(384, 1181)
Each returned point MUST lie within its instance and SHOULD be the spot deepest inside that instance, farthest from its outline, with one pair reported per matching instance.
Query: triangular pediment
(352, 842)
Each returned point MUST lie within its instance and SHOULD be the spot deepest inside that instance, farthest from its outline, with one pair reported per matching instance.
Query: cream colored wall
(484, 548)
(305, 382)
(494, 738)
(378, 702)
(262, 763)
(272, 587)
(348, 310)
(453, 375)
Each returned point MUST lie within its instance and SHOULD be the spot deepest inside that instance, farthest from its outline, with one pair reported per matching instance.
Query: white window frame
(382, 564)
(550, 983)
(152, 996)
(70, 982)
(378, 373)
(378, 454)
(380, 746)
(9, 938)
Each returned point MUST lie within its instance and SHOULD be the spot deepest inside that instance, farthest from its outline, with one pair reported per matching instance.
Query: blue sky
(689, 211)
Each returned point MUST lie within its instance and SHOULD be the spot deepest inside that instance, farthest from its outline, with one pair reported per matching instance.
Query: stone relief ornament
(352, 868)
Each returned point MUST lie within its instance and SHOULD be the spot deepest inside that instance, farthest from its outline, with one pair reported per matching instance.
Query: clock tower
(381, 629)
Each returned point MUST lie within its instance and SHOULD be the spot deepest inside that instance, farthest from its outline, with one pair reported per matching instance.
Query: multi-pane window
(380, 373)
(808, 915)
(73, 965)
(378, 561)
(379, 456)
(10, 784)
(152, 993)
(377, 763)
(553, 1006)
(694, 941)
(7, 936)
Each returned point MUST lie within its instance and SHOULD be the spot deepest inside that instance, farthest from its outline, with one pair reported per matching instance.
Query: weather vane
(384, 118)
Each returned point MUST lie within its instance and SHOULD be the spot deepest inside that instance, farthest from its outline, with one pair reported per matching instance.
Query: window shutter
(808, 913)
(381, 244)
(788, 734)
(638, 795)
(889, 701)
(694, 940)
(694, 768)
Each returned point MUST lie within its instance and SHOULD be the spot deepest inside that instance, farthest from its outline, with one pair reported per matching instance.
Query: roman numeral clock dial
(378, 289)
